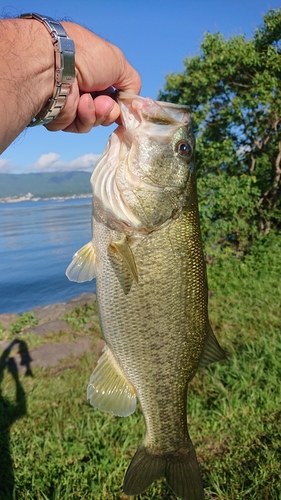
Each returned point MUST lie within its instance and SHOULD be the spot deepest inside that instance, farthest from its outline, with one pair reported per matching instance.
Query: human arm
(27, 78)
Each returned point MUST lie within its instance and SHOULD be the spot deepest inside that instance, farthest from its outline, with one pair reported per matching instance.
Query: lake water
(37, 241)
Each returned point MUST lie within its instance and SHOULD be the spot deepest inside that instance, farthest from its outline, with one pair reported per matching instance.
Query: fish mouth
(158, 112)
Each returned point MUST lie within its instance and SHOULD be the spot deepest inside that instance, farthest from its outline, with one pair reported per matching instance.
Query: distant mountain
(45, 185)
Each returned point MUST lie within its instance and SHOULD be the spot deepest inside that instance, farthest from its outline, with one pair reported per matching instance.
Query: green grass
(54, 446)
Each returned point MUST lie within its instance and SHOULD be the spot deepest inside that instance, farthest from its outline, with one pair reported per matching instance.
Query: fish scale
(151, 288)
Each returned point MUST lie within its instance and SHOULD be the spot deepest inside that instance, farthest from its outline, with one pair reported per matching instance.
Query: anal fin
(83, 265)
(123, 248)
(109, 390)
(212, 351)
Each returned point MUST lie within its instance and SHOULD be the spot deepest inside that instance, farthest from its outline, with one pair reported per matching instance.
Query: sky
(155, 36)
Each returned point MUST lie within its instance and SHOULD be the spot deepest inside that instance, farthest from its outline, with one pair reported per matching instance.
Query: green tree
(233, 90)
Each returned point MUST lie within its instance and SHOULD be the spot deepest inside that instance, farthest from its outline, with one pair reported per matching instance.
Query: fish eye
(183, 148)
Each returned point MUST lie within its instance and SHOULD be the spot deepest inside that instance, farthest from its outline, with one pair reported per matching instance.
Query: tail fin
(181, 470)
(143, 470)
(183, 475)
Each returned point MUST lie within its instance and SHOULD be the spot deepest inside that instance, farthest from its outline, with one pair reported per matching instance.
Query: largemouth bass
(146, 254)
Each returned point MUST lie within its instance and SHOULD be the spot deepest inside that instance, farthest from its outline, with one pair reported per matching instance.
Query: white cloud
(6, 167)
(51, 162)
(44, 162)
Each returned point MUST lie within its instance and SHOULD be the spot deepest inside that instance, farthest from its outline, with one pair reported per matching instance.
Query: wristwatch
(64, 70)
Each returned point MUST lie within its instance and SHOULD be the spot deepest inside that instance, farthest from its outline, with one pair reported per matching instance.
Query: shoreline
(49, 311)
(31, 197)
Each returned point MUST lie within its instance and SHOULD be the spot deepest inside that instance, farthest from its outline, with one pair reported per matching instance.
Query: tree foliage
(234, 92)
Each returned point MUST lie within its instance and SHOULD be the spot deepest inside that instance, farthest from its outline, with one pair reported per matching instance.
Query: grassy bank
(59, 448)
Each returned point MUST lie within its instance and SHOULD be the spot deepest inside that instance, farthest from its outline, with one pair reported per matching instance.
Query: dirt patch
(50, 354)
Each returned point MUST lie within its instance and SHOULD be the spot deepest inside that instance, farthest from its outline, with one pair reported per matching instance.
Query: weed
(3, 333)
(84, 316)
(26, 320)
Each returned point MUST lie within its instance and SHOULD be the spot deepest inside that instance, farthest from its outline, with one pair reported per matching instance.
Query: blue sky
(155, 36)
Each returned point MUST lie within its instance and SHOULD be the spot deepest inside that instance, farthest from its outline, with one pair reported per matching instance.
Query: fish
(151, 285)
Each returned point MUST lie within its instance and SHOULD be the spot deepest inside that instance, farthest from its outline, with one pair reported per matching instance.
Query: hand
(99, 65)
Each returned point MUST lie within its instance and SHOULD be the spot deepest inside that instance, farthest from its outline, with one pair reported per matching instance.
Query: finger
(106, 109)
(93, 112)
(85, 116)
(102, 110)
(68, 113)
(128, 78)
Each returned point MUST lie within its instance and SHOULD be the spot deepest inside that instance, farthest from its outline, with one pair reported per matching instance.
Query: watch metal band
(64, 71)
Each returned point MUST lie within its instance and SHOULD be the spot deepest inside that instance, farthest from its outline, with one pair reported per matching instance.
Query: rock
(83, 299)
(44, 356)
(55, 326)
(7, 319)
(6, 344)
(55, 311)
(51, 354)
(15, 352)
(99, 346)
(51, 312)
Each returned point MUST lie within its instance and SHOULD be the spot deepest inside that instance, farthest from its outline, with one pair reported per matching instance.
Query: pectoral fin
(212, 351)
(83, 265)
(123, 248)
(109, 390)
